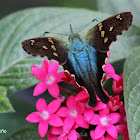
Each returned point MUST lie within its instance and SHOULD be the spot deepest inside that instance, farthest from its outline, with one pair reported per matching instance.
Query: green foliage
(132, 93)
(118, 6)
(5, 105)
(26, 134)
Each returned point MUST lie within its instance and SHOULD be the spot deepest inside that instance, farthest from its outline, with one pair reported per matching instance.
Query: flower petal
(39, 73)
(53, 67)
(45, 65)
(114, 76)
(104, 111)
(43, 128)
(56, 130)
(115, 118)
(62, 112)
(108, 137)
(41, 105)
(34, 117)
(112, 131)
(88, 114)
(82, 96)
(92, 134)
(71, 102)
(80, 107)
(122, 129)
(51, 136)
(95, 119)
(109, 68)
(99, 131)
(54, 105)
(72, 135)
(81, 122)
(99, 106)
(55, 121)
(40, 88)
(68, 124)
(60, 76)
(54, 90)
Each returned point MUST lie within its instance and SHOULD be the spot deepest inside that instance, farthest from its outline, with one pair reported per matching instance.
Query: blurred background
(9, 6)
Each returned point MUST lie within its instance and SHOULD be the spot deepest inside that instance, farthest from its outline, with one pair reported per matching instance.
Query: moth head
(74, 36)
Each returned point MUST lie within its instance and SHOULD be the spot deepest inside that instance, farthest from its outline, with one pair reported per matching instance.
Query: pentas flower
(58, 131)
(111, 72)
(114, 103)
(104, 122)
(117, 86)
(69, 135)
(122, 130)
(45, 115)
(83, 97)
(123, 114)
(49, 78)
(107, 137)
(71, 80)
(72, 114)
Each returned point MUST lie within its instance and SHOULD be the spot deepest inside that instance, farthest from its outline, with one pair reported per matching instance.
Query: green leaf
(132, 93)
(13, 123)
(15, 64)
(118, 6)
(26, 134)
(5, 105)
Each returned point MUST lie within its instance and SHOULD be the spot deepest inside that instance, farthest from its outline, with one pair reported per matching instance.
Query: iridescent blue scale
(83, 57)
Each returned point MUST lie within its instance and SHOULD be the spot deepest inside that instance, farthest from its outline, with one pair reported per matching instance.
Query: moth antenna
(71, 29)
(87, 25)
(55, 33)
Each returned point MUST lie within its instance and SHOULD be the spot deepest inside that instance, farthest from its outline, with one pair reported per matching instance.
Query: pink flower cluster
(72, 118)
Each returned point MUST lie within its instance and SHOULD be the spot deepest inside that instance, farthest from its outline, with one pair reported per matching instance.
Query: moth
(83, 56)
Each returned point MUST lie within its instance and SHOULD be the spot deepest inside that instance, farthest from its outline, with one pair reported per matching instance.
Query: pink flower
(71, 80)
(69, 135)
(49, 78)
(123, 114)
(72, 114)
(114, 103)
(122, 129)
(111, 72)
(83, 97)
(104, 122)
(117, 86)
(45, 115)
(108, 137)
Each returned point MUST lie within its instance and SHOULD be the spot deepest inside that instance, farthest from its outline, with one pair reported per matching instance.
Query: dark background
(10, 6)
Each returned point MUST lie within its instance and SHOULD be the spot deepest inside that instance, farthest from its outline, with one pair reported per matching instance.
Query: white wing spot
(44, 47)
(55, 54)
(53, 47)
(102, 33)
(32, 42)
(105, 39)
(111, 28)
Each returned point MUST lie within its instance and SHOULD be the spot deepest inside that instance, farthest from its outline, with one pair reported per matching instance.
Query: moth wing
(104, 33)
(52, 48)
